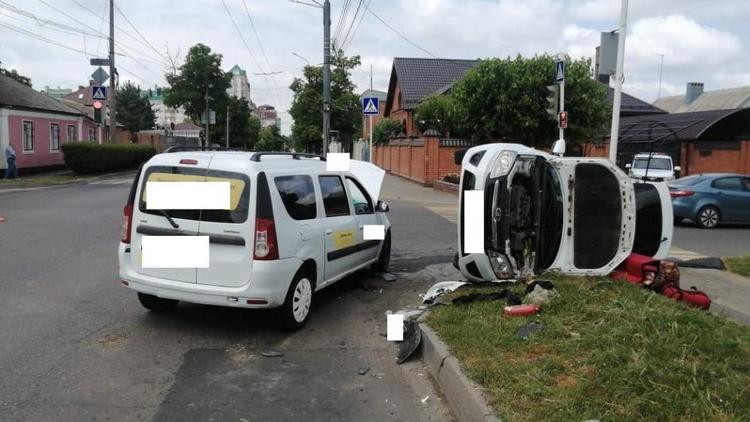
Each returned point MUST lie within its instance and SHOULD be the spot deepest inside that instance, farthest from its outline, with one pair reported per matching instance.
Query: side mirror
(382, 207)
(628, 166)
(677, 169)
(558, 148)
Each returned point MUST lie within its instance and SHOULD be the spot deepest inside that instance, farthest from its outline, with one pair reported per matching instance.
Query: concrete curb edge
(464, 397)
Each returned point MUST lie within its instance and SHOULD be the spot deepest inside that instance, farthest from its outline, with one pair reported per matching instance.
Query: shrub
(452, 178)
(91, 158)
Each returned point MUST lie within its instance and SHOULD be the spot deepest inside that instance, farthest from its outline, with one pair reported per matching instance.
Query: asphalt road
(76, 345)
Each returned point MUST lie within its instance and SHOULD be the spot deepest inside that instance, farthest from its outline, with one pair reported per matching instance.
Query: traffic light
(98, 116)
(553, 100)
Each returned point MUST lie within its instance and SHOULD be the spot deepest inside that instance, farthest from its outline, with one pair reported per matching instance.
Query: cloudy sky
(701, 40)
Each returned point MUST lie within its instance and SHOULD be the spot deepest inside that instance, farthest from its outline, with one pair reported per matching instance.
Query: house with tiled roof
(36, 125)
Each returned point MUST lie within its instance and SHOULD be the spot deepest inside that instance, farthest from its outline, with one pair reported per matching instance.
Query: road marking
(683, 254)
(112, 182)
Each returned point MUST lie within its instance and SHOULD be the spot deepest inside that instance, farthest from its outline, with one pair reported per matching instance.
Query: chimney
(694, 90)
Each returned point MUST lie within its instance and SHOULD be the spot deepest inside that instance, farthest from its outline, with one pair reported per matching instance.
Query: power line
(262, 50)
(40, 38)
(242, 37)
(351, 25)
(46, 22)
(158, 53)
(398, 33)
(356, 29)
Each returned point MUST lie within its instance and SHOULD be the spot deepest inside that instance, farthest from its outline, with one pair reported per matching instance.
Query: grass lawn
(49, 179)
(739, 265)
(609, 352)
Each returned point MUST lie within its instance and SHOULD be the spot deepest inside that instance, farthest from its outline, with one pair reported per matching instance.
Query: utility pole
(326, 75)
(562, 109)
(112, 76)
(661, 68)
(371, 157)
(227, 127)
(619, 77)
(208, 118)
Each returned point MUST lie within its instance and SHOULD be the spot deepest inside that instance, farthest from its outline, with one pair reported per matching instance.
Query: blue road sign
(370, 105)
(560, 71)
(99, 92)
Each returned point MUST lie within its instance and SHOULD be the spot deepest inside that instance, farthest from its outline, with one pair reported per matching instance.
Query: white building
(165, 116)
(240, 87)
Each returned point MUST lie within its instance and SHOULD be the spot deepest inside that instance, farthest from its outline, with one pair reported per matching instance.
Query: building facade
(240, 87)
(268, 116)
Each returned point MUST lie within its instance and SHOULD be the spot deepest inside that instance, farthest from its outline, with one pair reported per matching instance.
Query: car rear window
(239, 191)
(688, 180)
(334, 196)
(728, 183)
(298, 195)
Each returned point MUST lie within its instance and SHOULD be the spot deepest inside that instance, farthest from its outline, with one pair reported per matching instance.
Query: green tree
(386, 129)
(437, 112)
(505, 100)
(306, 110)
(133, 109)
(200, 77)
(271, 139)
(11, 73)
(243, 131)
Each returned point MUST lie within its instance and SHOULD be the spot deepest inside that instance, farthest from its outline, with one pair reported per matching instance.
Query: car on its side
(576, 215)
(292, 228)
(710, 199)
(652, 166)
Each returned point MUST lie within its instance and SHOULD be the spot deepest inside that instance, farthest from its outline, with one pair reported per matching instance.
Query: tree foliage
(505, 100)
(437, 112)
(133, 109)
(244, 128)
(306, 110)
(11, 73)
(199, 75)
(271, 139)
(386, 129)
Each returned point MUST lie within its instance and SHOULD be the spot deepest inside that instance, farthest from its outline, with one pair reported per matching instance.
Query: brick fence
(422, 160)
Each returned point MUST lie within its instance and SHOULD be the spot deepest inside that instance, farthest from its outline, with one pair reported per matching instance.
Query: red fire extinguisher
(521, 310)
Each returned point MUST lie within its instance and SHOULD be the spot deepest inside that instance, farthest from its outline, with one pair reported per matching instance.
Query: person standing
(10, 157)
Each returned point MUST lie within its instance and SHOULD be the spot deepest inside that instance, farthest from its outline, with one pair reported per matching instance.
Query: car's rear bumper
(683, 209)
(269, 281)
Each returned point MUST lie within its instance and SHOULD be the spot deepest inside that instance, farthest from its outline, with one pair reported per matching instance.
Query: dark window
(597, 216)
(728, 183)
(747, 183)
(648, 219)
(334, 196)
(239, 191)
(54, 136)
(298, 195)
(28, 135)
(360, 199)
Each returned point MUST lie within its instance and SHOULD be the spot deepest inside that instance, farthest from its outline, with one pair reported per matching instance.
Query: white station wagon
(291, 228)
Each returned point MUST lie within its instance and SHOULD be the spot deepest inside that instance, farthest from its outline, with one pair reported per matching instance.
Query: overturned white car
(541, 212)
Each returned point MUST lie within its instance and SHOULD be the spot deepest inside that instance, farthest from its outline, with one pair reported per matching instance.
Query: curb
(463, 396)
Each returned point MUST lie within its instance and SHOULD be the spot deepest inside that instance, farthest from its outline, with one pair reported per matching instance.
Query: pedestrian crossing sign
(370, 105)
(99, 93)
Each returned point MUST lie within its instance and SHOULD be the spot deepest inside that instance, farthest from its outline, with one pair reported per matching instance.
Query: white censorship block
(374, 232)
(395, 325)
(187, 195)
(473, 221)
(175, 252)
(337, 161)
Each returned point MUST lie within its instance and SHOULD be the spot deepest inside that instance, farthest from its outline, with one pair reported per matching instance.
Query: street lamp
(306, 61)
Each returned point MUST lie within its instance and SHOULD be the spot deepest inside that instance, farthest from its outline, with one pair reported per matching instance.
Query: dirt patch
(566, 381)
(112, 340)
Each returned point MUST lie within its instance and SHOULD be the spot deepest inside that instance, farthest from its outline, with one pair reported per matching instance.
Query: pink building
(37, 126)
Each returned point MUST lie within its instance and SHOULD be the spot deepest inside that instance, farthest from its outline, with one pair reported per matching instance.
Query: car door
(731, 197)
(746, 203)
(364, 211)
(151, 222)
(230, 231)
(340, 228)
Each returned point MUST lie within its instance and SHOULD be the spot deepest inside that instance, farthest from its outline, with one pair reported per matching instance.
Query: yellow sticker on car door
(343, 239)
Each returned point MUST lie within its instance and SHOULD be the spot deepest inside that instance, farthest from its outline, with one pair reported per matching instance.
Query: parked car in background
(652, 166)
(291, 228)
(576, 215)
(711, 198)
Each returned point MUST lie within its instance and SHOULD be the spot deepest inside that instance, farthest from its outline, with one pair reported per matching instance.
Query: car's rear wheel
(708, 217)
(298, 303)
(384, 258)
(156, 304)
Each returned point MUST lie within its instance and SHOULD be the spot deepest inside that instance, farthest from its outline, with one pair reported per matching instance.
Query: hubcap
(709, 217)
(301, 300)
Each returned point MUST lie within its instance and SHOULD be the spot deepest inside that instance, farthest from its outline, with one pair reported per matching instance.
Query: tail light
(680, 193)
(127, 222)
(266, 247)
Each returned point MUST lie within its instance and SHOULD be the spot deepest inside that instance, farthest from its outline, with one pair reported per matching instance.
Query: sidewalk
(729, 292)
(60, 178)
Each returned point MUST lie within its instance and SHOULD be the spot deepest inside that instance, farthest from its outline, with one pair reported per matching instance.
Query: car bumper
(269, 281)
(683, 209)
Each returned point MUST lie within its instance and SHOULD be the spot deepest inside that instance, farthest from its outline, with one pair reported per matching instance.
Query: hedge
(92, 158)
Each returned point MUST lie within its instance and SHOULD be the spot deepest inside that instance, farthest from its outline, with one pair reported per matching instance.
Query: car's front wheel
(384, 258)
(298, 303)
(708, 217)
(156, 304)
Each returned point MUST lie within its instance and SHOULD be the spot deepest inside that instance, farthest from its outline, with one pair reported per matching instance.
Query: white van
(652, 166)
(575, 215)
(292, 228)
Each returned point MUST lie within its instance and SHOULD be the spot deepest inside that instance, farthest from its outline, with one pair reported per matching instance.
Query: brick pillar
(431, 156)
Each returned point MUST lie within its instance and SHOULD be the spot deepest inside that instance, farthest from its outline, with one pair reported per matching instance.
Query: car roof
(243, 159)
(720, 175)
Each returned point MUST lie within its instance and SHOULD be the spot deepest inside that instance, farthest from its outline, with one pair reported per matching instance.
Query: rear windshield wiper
(169, 218)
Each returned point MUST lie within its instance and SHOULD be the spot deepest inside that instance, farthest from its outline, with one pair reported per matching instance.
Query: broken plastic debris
(438, 289)
(365, 368)
(272, 354)
(540, 296)
(411, 342)
(424, 400)
(389, 277)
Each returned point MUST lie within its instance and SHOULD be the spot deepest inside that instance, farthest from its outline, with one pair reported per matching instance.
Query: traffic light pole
(326, 75)
(562, 109)
(112, 76)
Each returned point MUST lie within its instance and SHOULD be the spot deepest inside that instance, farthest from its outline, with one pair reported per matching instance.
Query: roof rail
(295, 155)
(179, 148)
